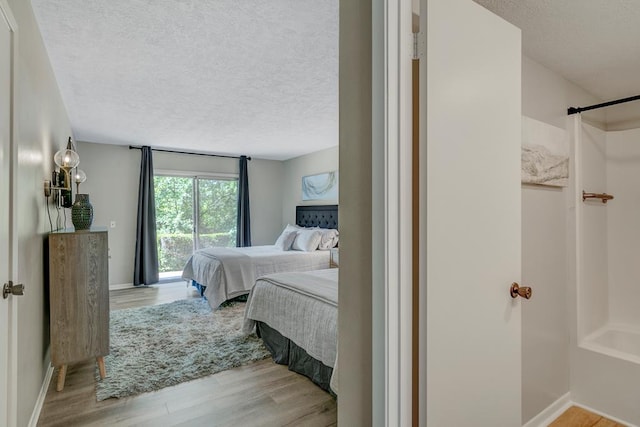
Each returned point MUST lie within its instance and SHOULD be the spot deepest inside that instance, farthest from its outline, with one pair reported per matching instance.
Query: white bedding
(229, 272)
(303, 307)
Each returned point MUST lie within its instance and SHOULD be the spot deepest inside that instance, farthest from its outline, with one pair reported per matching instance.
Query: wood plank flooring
(578, 417)
(259, 394)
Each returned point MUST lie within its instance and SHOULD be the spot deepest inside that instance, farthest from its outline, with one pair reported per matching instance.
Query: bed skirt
(286, 352)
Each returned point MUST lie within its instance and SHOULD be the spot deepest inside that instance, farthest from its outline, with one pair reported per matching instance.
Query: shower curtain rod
(133, 147)
(574, 110)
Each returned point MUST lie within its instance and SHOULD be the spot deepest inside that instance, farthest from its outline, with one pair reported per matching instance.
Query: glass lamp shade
(79, 177)
(66, 159)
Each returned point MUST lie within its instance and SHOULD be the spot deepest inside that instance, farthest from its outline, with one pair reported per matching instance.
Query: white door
(6, 42)
(472, 217)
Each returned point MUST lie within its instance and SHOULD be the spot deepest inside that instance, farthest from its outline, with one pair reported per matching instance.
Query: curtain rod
(132, 147)
(575, 110)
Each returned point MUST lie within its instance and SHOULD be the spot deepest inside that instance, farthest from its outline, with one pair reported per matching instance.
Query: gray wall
(112, 184)
(294, 170)
(545, 324)
(357, 144)
(43, 127)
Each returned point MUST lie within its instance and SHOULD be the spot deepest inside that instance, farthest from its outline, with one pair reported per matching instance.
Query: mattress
(229, 272)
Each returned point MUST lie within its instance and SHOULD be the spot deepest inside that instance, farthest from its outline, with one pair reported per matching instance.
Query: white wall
(294, 170)
(112, 184)
(545, 323)
(623, 225)
(545, 332)
(43, 127)
(546, 95)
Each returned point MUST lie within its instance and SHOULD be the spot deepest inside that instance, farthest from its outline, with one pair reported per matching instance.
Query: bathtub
(615, 340)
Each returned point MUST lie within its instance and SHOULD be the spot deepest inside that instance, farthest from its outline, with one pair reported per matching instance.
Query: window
(192, 212)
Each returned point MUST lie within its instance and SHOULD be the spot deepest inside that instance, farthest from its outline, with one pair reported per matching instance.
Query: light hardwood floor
(578, 417)
(259, 394)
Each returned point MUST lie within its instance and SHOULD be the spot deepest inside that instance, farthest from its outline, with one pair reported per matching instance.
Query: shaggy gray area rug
(158, 346)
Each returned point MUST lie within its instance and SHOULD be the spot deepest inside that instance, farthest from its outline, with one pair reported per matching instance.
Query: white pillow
(285, 240)
(329, 238)
(307, 240)
(290, 227)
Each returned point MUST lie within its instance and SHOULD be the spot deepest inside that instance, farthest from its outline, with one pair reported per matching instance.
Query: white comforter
(303, 307)
(229, 272)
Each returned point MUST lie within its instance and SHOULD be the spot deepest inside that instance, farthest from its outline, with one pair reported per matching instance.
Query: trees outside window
(193, 212)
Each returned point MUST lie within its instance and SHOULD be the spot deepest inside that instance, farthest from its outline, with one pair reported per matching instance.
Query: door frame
(398, 212)
(375, 212)
(422, 221)
(12, 350)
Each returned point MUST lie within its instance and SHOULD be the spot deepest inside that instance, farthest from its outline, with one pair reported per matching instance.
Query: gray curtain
(146, 263)
(243, 236)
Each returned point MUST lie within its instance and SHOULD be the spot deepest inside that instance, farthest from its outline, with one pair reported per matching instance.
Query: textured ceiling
(593, 43)
(261, 77)
(225, 76)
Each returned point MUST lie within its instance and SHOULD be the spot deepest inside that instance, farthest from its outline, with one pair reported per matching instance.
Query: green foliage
(173, 251)
(218, 206)
(174, 217)
(174, 204)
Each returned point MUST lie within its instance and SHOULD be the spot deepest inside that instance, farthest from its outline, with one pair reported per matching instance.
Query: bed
(226, 273)
(296, 315)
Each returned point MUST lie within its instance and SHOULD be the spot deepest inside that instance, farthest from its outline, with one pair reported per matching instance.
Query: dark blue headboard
(323, 216)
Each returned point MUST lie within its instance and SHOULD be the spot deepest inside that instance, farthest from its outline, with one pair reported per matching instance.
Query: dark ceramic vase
(82, 212)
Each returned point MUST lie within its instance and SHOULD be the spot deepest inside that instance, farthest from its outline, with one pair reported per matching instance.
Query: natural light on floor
(167, 275)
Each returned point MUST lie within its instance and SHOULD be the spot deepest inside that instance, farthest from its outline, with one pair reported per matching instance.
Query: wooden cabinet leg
(62, 373)
(101, 368)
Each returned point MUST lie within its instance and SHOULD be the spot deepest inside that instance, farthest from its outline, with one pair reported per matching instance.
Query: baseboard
(161, 282)
(35, 415)
(551, 412)
(603, 414)
(120, 286)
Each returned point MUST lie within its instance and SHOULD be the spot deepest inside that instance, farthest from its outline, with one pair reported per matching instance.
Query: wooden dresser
(79, 298)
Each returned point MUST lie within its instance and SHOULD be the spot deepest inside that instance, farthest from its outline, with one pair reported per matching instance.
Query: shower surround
(604, 249)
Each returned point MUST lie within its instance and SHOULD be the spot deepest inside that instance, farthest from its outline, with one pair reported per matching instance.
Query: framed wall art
(323, 186)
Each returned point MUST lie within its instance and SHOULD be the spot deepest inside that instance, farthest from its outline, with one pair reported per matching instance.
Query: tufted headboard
(323, 216)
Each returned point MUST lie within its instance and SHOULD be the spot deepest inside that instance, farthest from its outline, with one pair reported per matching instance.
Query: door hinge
(419, 45)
